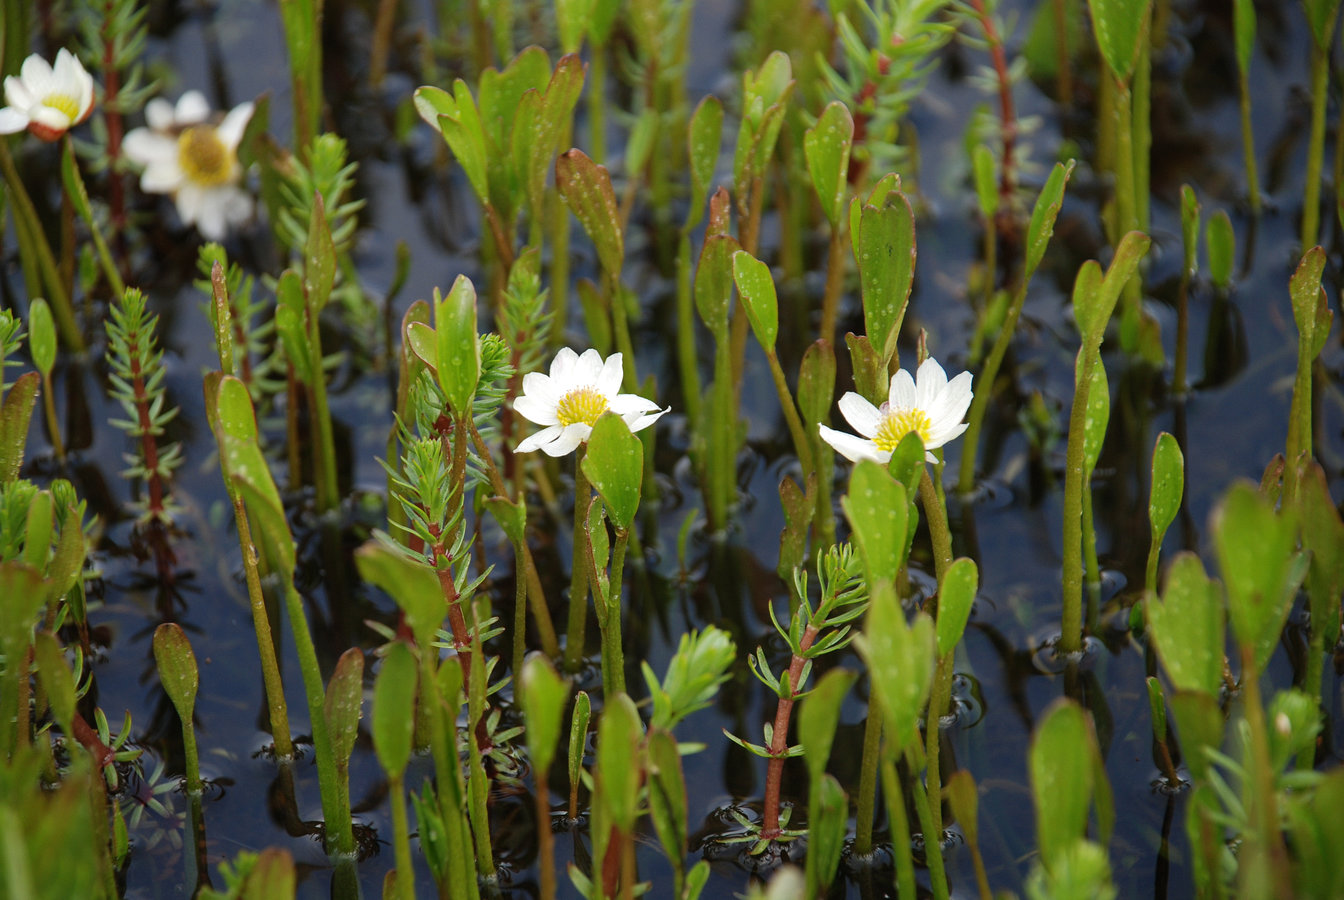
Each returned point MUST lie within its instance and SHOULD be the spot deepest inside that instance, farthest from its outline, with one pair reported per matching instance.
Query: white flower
(928, 405)
(47, 101)
(186, 154)
(571, 399)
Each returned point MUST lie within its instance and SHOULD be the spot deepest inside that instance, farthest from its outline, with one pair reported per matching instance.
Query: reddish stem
(779, 740)
(1007, 120)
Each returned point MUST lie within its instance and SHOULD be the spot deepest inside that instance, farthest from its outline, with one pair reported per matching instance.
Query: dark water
(1242, 360)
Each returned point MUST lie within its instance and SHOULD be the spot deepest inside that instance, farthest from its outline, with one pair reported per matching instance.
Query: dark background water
(1242, 361)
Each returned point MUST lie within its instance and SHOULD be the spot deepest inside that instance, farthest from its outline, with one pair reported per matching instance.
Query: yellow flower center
(897, 424)
(583, 404)
(64, 104)
(203, 157)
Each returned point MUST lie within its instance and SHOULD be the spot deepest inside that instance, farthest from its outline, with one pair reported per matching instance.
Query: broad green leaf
(1321, 16)
(345, 697)
(826, 147)
(578, 734)
(1307, 294)
(619, 768)
(876, 507)
(816, 383)
(667, 793)
(41, 336)
(464, 133)
(511, 516)
(1316, 832)
(586, 189)
(714, 283)
(178, 672)
(556, 112)
(543, 694)
(245, 466)
(1189, 229)
(59, 683)
(599, 551)
(1119, 25)
(1044, 214)
(799, 507)
(602, 20)
(884, 248)
(1094, 298)
(37, 530)
(67, 564)
(1221, 244)
(1257, 555)
(703, 138)
(393, 700)
(757, 289)
(289, 324)
(501, 92)
(459, 349)
(955, 596)
(1186, 626)
(1168, 485)
(818, 717)
(986, 181)
(319, 259)
(571, 22)
(764, 92)
(412, 583)
(1199, 728)
(827, 821)
(1323, 535)
(1061, 773)
(424, 342)
(1097, 419)
(870, 372)
(900, 660)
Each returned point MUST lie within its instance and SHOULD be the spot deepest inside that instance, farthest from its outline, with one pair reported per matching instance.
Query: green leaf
(964, 801)
(345, 696)
(459, 349)
(586, 189)
(757, 290)
(41, 336)
(799, 507)
(543, 696)
(1308, 296)
(1060, 766)
(870, 372)
(571, 22)
(884, 248)
(1097, 419)
(37, 530)
(619, 768)
(1190, 229)
(289, 324)
(319, 260)
(955, 596)
(393, 700)
(412, 583)
(59, 683)
(456, 117)
(1323, 535)
(1243, 29)
(826, 147)
(986, 181)
(714, 283)
(15, 414)
(1321, 17)
(1094, 297)
(245, 465)
(1199, 727)
(1186, 626)
(1044, 213)
(816, 383)
(511, 516)
(501, 92)
(1221, 244)
(826, 828)
(578, 734)
(1168, 485)
(667, 794)
(424, 343)
(818, 717)
(900, 662)
(178, 672)
(1119, 25)
(876, 507)
(703, 138)
(614, 465)
(1256, 554)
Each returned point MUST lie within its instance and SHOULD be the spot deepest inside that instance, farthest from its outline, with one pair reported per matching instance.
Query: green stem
(933, 832)
(1126, 208)
(53, 422)
(328, 495)
(1248, 144)
(560, 231)
(867, 802)
(578, 579)
(1091, 568)
(722, 453)
(1311, 196)
(339, 830)
(613, 656)
(835, 283)
(686, 356)
(900, 829)
(25, 215)
(936, 515)
(401, 841)
(545, 838)
(1267, 862)
(86, 213)
(1141, 125)
(984, 389)
(1179, 386)
(1071, 637)
(261, 624)
(621, 329)
(193, 759)
(801, 445)
(478, 783)
(597, 103)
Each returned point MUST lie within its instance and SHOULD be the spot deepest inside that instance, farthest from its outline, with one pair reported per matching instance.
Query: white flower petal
(230, 131)
(862, 416)
(852, 448)
(211, 217)
(532, 442)
(159, 114)
(901, 393)
(191, 200)
(627, 404)
(236, 205)
(561, 367)
(588, 368)
(18, 96)
(608, 380)
(569, 438)
(535, 409)
(929, 383)
(543, 387)
(12, 121)
(637, 422)
(192, 108)
(37, 76)
(162, 177)
(148, 147)
(50, 117)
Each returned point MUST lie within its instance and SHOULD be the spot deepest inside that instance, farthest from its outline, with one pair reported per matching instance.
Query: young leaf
(1044, 213)
(702, 151)
(586, 189)
(1119, 25)
(1189, 230)
(543, 695)
(877, 510)
(345, 697)
(459, 350)
(60, 684)
(177, 668)
(818, 717)
(900, 662)
(619, 768)
(816, 383)
(412, 583)
(826, 147)
(757, 289)
(1060, 766)
(41, 336)
(1168, 485)
(955, 596)
(393, 699)
(1221, 244)
(884, 248)
(1186, 626)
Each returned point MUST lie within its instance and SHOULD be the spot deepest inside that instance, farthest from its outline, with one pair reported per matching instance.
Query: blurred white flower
(193, 156)
(45, 100)
(570, 400)
(928, 405)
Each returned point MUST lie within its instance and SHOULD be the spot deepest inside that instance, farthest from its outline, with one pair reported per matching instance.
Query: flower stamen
(64, 104)
(896, 424)
(203, 157)
(585, 404)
